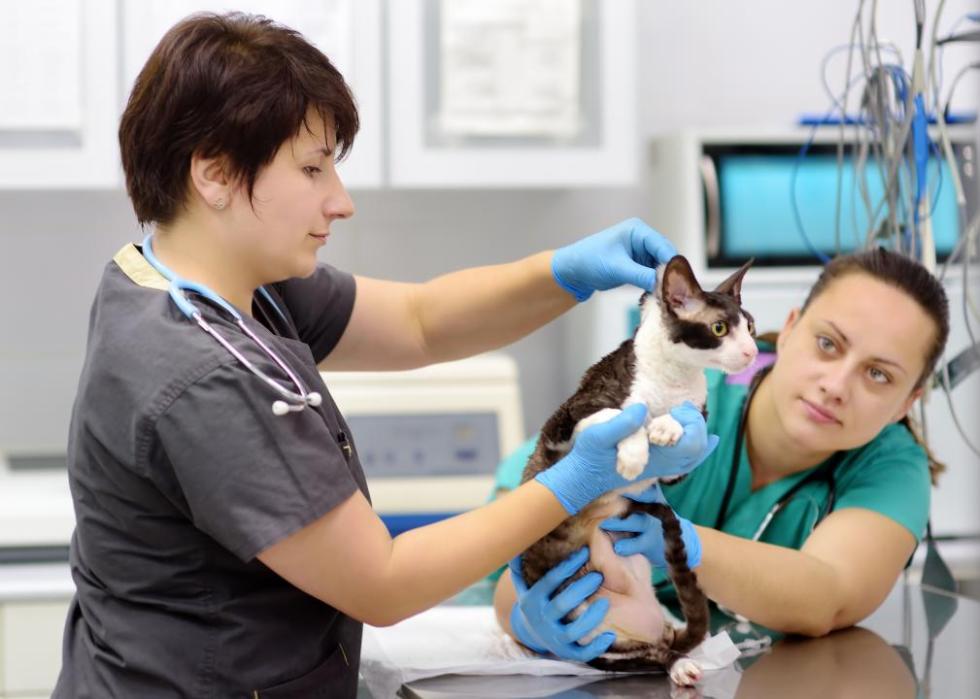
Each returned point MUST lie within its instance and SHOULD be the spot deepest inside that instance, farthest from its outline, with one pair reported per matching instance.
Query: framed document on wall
(522, 93)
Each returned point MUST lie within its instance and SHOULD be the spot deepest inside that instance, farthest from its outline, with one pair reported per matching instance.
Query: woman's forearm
(783, 589)
(430, 564)
(483, 308)
(504, 597)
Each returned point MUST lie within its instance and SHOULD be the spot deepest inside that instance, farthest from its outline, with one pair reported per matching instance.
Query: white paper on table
(468, 641)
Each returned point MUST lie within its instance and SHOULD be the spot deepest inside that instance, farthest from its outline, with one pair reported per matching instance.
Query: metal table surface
(920, 643)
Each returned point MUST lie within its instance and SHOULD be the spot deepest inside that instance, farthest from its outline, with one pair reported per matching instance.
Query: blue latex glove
(691, 449)
(589, 469)
(627, 253)
(649, 539)
(536, 618)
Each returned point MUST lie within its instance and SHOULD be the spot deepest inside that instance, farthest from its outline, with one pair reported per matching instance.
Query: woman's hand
(626, 253)
(649, 532)
(589, 469)
(536, 618)
(694, 446)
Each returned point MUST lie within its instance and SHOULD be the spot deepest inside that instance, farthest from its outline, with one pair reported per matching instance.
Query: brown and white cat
(683, 330)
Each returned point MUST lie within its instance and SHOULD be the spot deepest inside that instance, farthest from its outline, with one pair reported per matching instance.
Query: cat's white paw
(631, 455)
(664, 430)
(685, 672)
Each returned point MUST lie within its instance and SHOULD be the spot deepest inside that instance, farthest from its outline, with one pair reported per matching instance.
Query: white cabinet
(30, 647)
(451, 93)
(34, 603)
(512, 94)
(58, 95)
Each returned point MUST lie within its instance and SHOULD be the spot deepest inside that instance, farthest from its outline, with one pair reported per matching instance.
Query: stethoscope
(826, 473)
(291, 400)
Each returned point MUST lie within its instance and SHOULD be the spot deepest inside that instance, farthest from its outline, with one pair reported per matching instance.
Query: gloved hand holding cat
(626, 253)
(537, 618)
(649, 531)
(589, 470)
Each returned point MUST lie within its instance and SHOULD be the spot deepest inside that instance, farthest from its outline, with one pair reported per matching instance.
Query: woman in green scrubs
(818, 492)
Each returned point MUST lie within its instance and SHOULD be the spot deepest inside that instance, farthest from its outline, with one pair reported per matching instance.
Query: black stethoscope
(826, 473)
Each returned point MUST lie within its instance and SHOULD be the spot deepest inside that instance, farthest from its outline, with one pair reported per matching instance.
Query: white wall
(711, 62)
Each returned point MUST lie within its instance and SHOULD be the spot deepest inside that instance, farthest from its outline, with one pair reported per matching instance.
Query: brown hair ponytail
(936, 466)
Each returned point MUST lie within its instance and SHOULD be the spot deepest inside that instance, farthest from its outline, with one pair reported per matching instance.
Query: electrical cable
(890, 133)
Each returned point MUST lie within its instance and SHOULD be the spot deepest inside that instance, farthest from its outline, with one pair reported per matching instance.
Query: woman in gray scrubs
(225, 542)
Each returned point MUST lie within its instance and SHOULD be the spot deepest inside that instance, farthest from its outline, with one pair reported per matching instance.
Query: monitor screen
(757, 218)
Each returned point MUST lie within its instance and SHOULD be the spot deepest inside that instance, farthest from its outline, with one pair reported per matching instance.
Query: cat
(683, 330)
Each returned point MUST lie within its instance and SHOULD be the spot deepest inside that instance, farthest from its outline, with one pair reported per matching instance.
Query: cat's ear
(679, 290)
(733, 285)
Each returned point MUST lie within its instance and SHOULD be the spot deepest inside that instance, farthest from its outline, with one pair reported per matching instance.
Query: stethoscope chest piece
(290, 401)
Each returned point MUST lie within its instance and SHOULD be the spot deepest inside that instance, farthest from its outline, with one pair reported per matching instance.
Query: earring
(219, 204)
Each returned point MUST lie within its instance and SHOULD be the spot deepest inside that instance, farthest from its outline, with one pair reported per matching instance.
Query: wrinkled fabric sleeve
(320, 306)
(892, 479)
(250, 478)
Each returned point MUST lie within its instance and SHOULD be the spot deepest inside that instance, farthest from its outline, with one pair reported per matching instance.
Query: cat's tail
(648, 656)
(693, 602)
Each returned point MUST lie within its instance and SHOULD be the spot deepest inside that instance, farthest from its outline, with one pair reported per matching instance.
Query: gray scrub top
(180, 474)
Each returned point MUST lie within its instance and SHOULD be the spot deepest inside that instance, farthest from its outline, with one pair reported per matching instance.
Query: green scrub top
(889, 475)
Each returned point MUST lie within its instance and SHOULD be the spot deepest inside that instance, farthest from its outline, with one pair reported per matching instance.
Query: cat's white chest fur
(660, 395)
(661, 383)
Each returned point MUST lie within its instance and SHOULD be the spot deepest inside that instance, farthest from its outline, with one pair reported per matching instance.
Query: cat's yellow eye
(751, 328)
(719, 328)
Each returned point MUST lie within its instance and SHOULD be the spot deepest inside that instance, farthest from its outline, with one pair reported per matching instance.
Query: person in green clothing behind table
(819, 427)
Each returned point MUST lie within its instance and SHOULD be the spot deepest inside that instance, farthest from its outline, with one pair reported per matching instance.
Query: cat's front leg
(632, 452)
(632, 455)
(664, 430)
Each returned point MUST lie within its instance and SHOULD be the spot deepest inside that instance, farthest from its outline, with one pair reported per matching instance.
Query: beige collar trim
(135, 266)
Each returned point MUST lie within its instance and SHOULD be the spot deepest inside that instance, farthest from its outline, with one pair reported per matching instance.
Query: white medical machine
(725, 195)
(430, 439)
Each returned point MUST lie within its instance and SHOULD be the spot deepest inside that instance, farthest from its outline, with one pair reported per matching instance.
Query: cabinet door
(58, 95)
(347, 31)
(30, 646)
(529, 93)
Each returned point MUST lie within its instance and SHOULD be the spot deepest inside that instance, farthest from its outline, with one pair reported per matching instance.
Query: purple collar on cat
(744, 377)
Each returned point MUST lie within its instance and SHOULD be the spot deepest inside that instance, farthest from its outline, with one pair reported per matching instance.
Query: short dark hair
(232, 85)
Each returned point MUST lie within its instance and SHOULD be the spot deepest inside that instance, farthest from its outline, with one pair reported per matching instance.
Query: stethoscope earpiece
(280, 408)
(314, 399)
